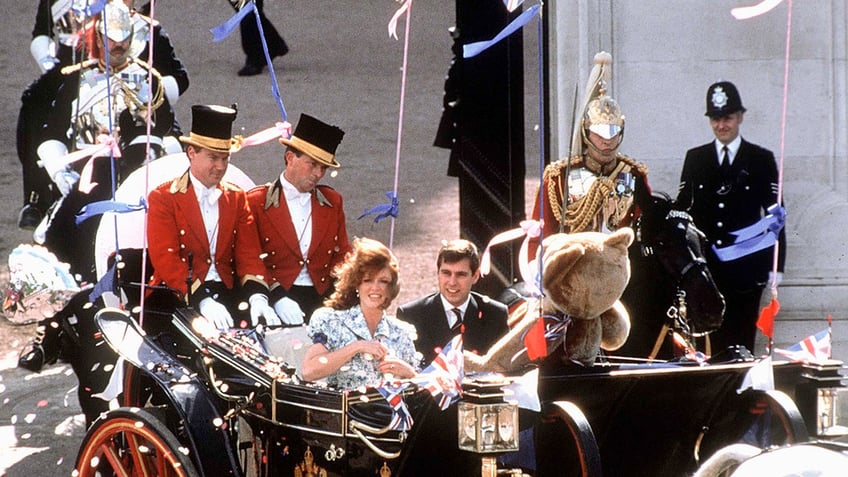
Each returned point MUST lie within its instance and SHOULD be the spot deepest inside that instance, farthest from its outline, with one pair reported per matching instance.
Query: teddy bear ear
(559, 263)
(622, 237)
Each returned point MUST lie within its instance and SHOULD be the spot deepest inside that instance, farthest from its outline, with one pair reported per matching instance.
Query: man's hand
(259, 307)
(216, 313)
(289, 311)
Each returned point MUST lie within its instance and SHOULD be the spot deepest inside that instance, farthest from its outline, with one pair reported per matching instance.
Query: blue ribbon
(383, 210)
(473, 49)
(756, 237)
(101, 207)
(223, 30)
(94, 8)
(105, 284)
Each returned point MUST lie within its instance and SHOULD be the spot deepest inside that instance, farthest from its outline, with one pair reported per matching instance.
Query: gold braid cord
(580, 215)
(131, 97)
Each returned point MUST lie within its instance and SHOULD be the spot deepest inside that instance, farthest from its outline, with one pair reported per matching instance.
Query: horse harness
(676, 324)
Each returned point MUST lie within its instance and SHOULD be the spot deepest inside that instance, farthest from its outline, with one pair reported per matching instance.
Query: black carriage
(200, 403)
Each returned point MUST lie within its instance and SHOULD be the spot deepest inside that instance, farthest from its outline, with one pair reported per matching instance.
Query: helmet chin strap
(591, 163)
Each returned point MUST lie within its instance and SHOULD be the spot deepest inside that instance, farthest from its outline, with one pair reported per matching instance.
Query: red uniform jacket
(279, 241)
(175, 228)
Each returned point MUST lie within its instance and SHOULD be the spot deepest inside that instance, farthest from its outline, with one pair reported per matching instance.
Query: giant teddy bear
(583, 277)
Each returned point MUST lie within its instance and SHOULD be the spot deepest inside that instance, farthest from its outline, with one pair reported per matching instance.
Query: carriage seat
(289, 344)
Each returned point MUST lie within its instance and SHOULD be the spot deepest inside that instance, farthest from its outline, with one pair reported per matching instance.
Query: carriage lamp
(824, 397)
(487, 424)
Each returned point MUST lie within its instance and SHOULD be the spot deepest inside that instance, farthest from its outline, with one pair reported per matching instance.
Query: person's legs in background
(251, 43)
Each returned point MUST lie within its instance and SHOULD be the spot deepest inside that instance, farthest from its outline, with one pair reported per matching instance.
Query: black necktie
(725, 162)
(458, 324)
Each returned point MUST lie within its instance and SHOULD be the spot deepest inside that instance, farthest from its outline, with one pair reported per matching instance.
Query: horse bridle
(676, 314)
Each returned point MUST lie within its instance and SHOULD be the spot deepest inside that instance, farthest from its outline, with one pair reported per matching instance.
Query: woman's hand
(396, 367)
(375, 349)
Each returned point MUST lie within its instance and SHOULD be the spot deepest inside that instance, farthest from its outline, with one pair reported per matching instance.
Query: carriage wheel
(557, 455)
(132, 442)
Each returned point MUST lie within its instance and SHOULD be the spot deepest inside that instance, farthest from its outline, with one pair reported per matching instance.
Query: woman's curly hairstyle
(368, 257)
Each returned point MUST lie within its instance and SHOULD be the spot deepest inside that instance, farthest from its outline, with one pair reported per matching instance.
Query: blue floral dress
(336, 329)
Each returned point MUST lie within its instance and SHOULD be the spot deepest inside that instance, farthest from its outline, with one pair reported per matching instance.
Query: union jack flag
(443, 377)
(392, 392)
(813, 348)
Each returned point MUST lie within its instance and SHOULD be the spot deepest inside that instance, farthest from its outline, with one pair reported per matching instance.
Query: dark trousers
(251, 42)
(742, 308)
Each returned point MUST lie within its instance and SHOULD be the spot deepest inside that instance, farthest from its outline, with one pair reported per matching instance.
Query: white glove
(216, 313)
(42, 49)
(259, 307)
(65, 181)
(51, 153)
(776, 279)
(289, 311)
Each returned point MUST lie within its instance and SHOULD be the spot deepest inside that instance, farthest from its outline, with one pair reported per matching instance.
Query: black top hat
(723, 99)
(211, 128)
(316, 139)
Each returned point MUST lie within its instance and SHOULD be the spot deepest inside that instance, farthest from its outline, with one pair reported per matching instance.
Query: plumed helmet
(600, 113)
(603, 117)
(115, 21)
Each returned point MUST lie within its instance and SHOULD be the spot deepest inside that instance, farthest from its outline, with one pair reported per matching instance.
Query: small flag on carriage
(443, 377)
(815, 348)
(766, 320)
(392, 392)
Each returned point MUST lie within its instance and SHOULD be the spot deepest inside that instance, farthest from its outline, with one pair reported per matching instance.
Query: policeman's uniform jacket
(280, 243)
(484, 322)
(175, 229)
(720, 206)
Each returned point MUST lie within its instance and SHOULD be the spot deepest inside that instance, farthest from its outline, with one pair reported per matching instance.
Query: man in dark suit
(456, 309)
(301, 223)
(727, 184)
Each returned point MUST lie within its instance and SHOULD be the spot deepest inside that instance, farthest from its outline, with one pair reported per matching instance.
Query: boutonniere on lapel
(322, 200)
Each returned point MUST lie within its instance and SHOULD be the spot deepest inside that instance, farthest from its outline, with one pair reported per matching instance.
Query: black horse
(670, 282)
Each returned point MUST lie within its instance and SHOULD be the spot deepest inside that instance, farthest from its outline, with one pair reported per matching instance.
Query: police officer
(728, 184)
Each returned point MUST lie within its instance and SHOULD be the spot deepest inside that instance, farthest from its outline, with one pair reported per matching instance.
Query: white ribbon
(394, 21)
(528, 229)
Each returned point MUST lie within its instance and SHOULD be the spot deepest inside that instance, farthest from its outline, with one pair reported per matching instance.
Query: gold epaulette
(70, 69)
(180, 184)
(639, 168)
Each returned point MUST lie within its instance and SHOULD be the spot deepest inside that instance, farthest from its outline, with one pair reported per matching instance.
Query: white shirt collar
(292, 193)
(732, 148)
(448, 307)
(211, 194)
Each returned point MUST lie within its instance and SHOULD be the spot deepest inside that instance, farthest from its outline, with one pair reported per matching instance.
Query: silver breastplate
(93, 112)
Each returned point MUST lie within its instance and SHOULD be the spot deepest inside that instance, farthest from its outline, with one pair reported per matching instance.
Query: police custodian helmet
(723, 99)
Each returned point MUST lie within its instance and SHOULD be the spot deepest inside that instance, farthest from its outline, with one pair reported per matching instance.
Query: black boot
(44, 348)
